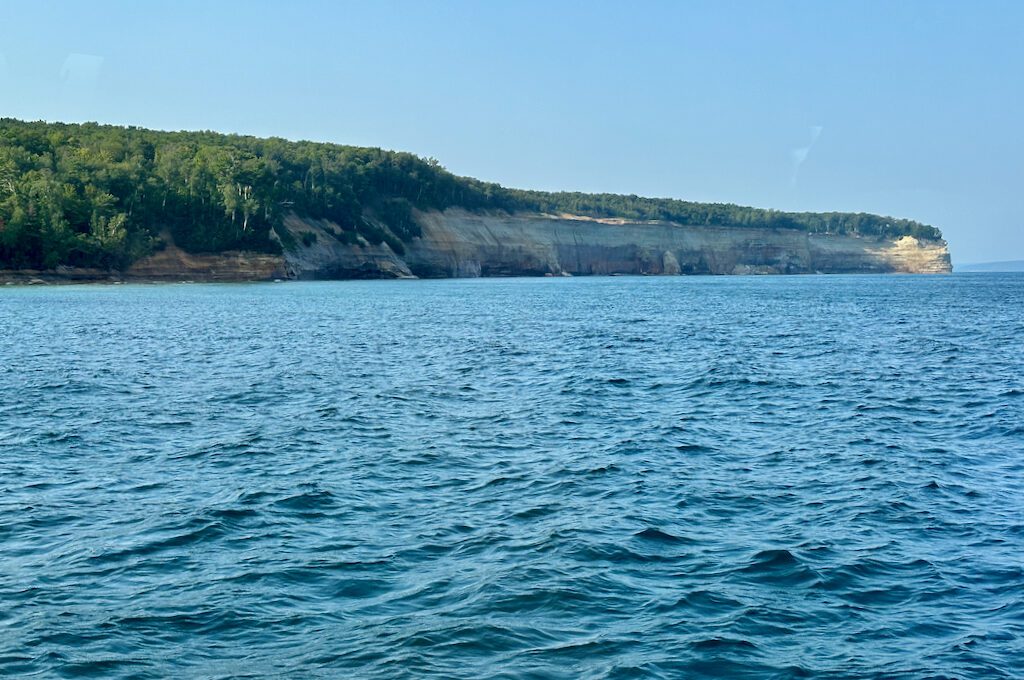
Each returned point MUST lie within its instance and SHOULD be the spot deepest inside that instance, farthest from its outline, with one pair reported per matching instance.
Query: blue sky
(912, 109)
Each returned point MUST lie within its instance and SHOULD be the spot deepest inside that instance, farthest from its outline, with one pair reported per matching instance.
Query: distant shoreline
(209, 205)
(998, 266)
(22, 279)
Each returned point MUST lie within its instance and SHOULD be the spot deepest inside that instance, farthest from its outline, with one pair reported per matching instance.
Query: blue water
(526, 478)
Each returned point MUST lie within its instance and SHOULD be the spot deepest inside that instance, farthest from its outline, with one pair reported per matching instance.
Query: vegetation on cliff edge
(101, 196)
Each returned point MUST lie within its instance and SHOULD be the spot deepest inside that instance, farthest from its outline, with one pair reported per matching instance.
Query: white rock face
(502, 244)
(669, 263)
(457, 243)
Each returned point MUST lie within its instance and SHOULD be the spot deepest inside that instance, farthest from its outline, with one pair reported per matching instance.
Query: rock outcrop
(171, 264)
(174, 264)
(319, 254)
(457, 243)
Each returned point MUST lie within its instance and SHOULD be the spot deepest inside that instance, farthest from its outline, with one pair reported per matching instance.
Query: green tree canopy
(101, 195)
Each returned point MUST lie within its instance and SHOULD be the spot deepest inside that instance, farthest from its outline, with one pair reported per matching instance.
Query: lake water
(569, 478)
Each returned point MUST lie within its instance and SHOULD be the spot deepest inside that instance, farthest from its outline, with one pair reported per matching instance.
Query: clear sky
(911, 109)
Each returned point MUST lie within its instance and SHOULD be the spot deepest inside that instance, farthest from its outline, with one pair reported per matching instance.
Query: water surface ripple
(777, 477)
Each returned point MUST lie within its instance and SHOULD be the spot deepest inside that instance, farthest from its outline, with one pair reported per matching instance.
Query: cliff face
(174, 264)
(171, 264)
(460, 243)
(457, 243)
(319, 255)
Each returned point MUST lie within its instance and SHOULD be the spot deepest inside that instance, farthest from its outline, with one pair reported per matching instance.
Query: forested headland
(102, 196)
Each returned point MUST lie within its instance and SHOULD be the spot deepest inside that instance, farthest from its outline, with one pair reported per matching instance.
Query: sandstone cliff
(458, 243)
(168, 265)
(174, 264)
(318, 254)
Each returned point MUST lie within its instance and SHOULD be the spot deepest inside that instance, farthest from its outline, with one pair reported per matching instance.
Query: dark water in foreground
(630, 477)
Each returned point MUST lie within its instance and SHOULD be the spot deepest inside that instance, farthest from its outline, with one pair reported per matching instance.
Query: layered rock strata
(457, 243)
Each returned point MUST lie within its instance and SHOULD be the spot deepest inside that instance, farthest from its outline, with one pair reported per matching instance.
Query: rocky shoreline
(458, 243)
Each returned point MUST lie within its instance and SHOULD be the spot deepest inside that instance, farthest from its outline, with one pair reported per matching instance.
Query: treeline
(719, 214)
(102, 196)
